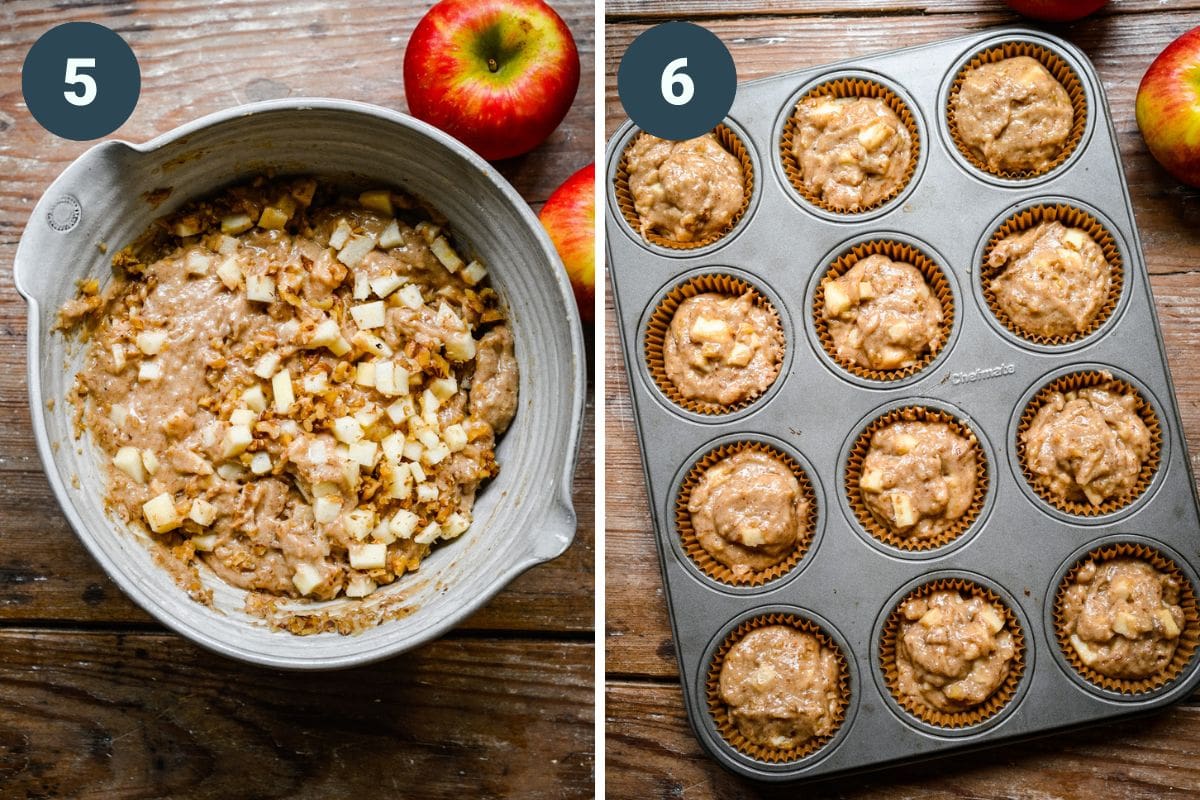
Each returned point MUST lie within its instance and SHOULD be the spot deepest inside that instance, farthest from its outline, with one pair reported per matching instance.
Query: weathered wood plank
(1121, 47)
(650, 753)
(624, 10)
(103, 715)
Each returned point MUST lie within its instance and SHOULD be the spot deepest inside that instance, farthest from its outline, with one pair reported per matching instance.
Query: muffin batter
(747, 511)
(918, 478)
(1054, 280)
(781, 687)
(1123, 617)
(301, 389)
(722, 349)
(1087, 445)
(882, 314)
(852, 152)
(952, 653)
(684, 191)
(1013, 115)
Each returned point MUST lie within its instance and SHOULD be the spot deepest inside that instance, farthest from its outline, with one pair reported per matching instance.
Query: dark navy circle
(80, 81)
(677, 80)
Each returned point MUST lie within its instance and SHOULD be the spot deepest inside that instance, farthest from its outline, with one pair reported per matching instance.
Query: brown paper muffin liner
(659, 325)
(1062, 72)
(840, 88)
(1071, 217)
(709, 565)
(1189, 637)
(854, 468)
(732, 143)
(913, 705)
(896, 251)
(720, 712)
(1074, 382)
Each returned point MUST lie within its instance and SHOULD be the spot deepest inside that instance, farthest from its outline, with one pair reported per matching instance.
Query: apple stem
(492, 65)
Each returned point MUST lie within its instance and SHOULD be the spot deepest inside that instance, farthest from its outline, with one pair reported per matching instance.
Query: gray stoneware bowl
(522, 518)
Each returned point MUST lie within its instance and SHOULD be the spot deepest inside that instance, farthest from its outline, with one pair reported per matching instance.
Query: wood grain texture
(650, 749)
(94, 700)
(109, 715)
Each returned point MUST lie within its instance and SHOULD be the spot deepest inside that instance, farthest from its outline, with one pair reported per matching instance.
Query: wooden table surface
(96, 699)
(650, 750)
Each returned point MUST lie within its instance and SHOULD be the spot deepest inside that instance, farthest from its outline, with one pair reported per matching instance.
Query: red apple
(498, 75)
(570, 218)
(1168, 108)
(1055, 10)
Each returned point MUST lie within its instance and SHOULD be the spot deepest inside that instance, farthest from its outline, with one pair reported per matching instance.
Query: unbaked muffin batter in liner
(896, 251)
(1189, 638)
(840, 88)
(732, 143)
(1062, 72)
(926, 713)
(704, 560)
(720, 713)
(1074, 382)
(854, 469)
(659, 325)
(1071, 217)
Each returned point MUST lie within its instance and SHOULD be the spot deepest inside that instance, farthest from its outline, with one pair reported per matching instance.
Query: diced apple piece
(1127, 625)
(865, 290)
(400, 410)
(347, 430)
(874, 135)
(118, 414)
(226, 245)
(871, 481)
(237, 439)
(150, 461)
(1086, 654)
(446, 254)
(355, 250)
(188, 226)
(905, 443)
(254, 399)
(836, 299)
(740, 355)
(368, 556)
(426, 492)
(242, 416)
(443, 388)
(360, 586)
(362, 286)
(197, 263)
(368, 415)
(372, 344)
(230, 471)
(460, 347)
(932, 618)
(326, 333)
(364, 453)
(202, 512)
(1075, 239)
(325, 488)
(129, 461)
(341, 234)
(428, 438)
(428, 231)
(315, 382)
(236, 223)
(149, 371)
(1169, 626)
(360, 522)
(410, 297)
(306, 578)
(377, 200)
(403, 524)
(705, 329)
(204, 543)
(990, 618)
(386, 284)
(428, 534)
(267, 365)
(369, 315)
(751, 535)
(436, 454)
(364, 374)
(340, 346)
(418, 472)
(230, 273)
(260, 464)
(955, 691)
(455, 525)
(327, 508)
(118, 357)
(897, 331)
(260, 288)
(455, 437)
(474, 273)
(160, 513)
(391, 236)
(902, 508)
(273, 218)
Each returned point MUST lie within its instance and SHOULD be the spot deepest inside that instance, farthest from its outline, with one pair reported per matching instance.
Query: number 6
(86, 81)
(671, 78)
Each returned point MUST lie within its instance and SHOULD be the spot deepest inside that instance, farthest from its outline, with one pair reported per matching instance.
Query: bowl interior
(522, 517)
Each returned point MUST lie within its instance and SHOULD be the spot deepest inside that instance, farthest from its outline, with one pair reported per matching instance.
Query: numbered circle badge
(80, 81)
(677, 81)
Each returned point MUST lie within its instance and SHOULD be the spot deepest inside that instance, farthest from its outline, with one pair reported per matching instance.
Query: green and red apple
(1168, 108)
(569, 216)
(1055, 10)
(498, 75)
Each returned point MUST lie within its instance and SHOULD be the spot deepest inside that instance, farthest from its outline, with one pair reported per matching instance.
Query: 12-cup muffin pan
(1019, 546)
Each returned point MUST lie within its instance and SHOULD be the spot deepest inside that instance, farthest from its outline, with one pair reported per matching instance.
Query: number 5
(86, 81)
(671, 78)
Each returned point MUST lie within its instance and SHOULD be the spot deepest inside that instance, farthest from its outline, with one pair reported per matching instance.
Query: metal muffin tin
(1019, 547)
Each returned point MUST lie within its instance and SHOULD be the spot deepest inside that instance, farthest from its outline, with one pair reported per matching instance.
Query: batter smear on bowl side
(302, 389)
